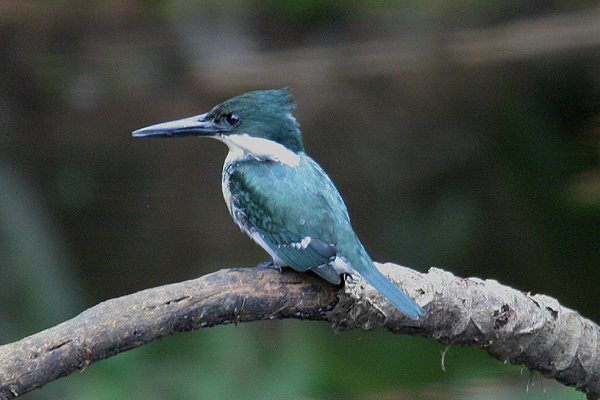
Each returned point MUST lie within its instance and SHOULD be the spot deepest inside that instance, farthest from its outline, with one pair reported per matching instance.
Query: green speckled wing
(290, 210)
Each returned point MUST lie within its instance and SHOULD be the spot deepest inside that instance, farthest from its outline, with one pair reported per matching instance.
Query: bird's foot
(269, 264)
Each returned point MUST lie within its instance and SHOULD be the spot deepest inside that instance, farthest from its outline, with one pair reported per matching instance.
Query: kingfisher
(281, 197)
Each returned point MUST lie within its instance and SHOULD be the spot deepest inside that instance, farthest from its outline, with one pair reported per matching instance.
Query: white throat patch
(242, 146)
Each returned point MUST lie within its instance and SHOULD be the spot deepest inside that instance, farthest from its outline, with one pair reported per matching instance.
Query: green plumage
(272, 122)
(280, 196)
(286, 206)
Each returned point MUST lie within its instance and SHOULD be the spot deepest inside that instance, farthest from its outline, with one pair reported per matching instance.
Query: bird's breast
(236, 214)
(239, 215)
(233, 170)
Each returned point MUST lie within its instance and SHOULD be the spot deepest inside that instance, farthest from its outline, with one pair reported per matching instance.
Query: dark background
(463, 135)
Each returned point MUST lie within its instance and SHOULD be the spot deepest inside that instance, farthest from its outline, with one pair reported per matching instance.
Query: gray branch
(532, 331)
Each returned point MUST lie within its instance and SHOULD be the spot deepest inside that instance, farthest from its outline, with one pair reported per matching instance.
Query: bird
(281, 197)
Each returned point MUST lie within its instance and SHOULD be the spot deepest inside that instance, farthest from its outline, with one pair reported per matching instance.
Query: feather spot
(303, 244)
(341, 266)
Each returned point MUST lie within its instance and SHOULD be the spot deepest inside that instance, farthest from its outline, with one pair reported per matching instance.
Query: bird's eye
(232, 119)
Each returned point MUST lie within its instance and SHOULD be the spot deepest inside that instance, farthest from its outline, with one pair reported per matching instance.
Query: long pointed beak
(198, 125)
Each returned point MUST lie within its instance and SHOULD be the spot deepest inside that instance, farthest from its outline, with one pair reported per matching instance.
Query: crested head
(260, 123)
(265, 114)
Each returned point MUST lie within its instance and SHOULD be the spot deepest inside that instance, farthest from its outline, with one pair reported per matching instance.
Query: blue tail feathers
(393, 293)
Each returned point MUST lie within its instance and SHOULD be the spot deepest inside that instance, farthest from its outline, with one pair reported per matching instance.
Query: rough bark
(533, 331)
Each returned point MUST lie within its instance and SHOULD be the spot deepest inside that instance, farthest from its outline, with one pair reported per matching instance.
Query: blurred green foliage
(450, 150)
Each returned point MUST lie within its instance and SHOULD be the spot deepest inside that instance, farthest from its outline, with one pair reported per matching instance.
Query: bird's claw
(269, 264)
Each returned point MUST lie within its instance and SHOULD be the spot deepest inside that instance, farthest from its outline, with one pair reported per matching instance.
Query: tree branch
(533, 331)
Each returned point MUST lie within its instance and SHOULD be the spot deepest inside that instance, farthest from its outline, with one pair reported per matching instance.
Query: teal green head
(262, 114)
